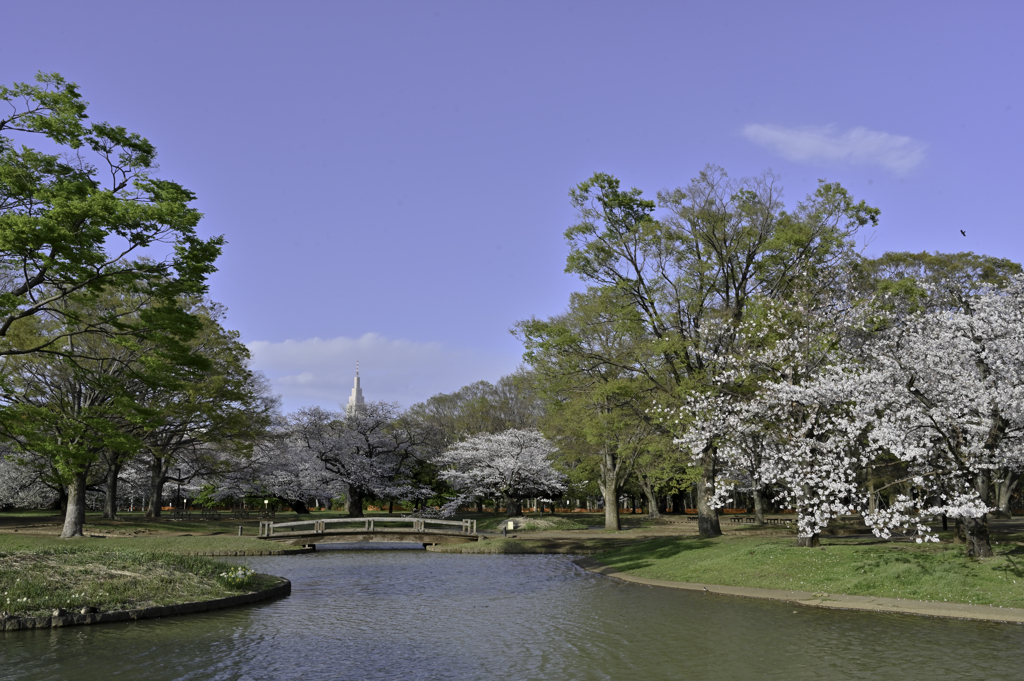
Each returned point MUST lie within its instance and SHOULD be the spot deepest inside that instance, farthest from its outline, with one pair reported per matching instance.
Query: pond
(397, 614)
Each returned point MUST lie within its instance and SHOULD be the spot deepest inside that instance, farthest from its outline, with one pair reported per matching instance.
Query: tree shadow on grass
(645, 554)
(1012, 566)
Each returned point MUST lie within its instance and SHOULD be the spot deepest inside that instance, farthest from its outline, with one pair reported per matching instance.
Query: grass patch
(549, 523)
(489, 523)
(932, 572)
(533, 523)
(73, 576)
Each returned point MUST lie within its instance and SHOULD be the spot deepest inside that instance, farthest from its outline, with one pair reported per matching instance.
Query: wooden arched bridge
(333, 530)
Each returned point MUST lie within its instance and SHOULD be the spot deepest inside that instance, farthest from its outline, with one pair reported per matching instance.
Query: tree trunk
(513, 507)
(60, 503)
(707, 517)
(354, 503)
(975, 535)
(74, 520)
(479, 505)
(808, 542)
(609, 484)
(610, 493)
(391, 506)
(1004, 490)
(652, 500)
(158, 469)
(975, 530)
(110, 501)
(759, 506)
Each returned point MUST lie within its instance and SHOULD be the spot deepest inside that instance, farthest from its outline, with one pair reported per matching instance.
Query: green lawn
(933, 572)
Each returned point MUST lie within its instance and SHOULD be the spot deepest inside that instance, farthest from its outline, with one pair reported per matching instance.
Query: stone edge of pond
(834, 601)
(71, 619)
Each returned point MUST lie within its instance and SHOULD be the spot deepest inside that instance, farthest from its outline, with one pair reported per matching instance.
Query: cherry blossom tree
(772, 423)
(944, 392)
(515, 465)
(282, 468)
(21, 485)
(369, 450)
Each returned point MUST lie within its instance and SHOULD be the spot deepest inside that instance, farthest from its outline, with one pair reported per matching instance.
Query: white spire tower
(356, 398)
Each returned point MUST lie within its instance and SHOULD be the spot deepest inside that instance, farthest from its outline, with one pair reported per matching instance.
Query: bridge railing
(269, 528)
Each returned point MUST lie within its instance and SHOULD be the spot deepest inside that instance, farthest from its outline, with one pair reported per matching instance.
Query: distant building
(355, 400)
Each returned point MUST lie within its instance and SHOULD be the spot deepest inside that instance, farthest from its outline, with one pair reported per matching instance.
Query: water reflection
(417, 615)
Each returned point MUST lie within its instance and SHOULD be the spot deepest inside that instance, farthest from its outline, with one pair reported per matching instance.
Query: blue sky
(392, 177)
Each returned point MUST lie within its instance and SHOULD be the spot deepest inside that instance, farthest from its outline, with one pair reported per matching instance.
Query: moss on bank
(931, 572)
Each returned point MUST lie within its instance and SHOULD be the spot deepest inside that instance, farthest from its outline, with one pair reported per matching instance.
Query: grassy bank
(932, 572)
(75, 575)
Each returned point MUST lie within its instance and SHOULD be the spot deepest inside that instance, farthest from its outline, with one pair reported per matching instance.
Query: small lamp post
(266, 507)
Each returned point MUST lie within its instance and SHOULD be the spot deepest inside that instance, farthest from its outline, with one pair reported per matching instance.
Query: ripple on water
(417, 615)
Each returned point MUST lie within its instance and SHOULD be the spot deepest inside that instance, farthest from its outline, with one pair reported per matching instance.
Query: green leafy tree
(926, 282)
(688, 279)
(76, 214)
(594, 401)
(208, 415)
(75, 405)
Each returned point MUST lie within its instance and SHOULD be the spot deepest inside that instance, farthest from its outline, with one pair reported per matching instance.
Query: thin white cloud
(859, 146)
(320, 371)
